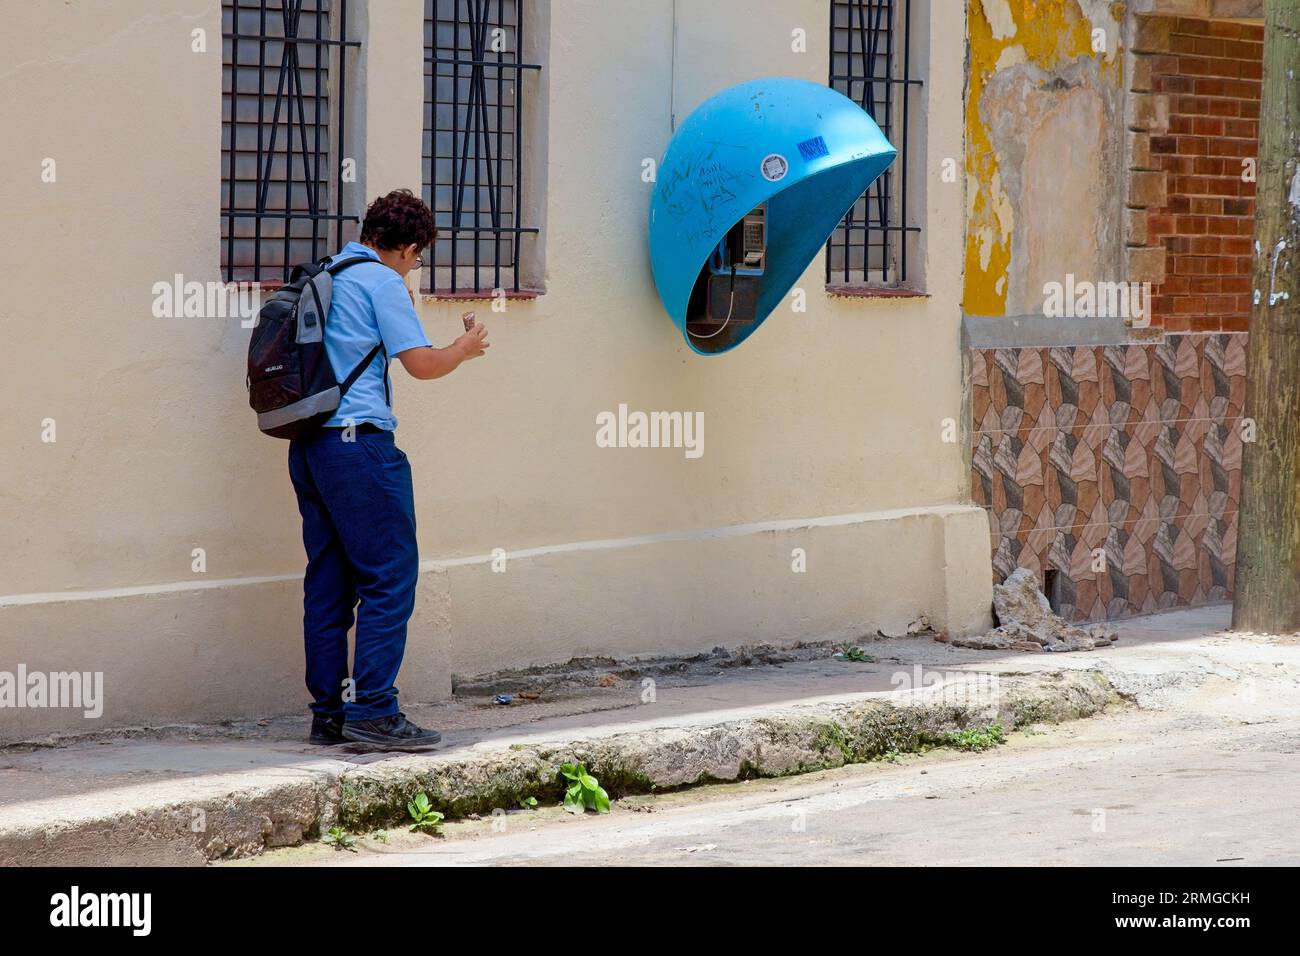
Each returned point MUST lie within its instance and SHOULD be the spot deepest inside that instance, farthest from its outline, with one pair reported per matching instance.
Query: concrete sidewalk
(188, 795)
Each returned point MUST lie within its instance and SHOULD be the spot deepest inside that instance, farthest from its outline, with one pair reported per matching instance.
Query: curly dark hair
(397, 220)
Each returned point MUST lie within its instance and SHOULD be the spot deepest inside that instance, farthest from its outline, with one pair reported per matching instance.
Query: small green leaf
(340, 839)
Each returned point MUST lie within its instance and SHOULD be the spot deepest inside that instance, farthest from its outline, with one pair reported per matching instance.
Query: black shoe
(394, 733)
(326, 730)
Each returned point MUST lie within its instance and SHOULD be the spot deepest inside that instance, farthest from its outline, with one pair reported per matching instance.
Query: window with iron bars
(283, 99)
(473, 144)
(870, 63)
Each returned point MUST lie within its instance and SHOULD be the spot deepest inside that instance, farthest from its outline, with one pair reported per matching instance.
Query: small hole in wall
(1051, 584)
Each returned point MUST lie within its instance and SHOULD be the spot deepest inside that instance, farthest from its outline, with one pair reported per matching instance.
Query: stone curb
(247, 813)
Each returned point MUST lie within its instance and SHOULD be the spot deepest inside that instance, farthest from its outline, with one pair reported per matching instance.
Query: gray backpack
(291, 384)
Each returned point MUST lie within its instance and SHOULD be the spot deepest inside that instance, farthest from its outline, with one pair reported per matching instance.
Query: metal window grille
(870, 63)
(473, 142)
(283, 107)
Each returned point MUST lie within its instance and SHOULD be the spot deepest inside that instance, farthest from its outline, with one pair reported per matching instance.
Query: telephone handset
(744, 246)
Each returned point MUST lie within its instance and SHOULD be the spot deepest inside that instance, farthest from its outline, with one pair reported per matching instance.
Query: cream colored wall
(832, 412)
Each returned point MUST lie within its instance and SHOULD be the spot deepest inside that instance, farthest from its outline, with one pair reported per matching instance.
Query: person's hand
(474, 342)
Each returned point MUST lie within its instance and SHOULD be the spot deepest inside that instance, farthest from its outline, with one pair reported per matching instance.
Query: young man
(354, 486)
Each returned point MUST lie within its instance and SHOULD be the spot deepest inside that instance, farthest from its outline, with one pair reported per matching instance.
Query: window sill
(480, 295)
(874, 292)
(262, 285)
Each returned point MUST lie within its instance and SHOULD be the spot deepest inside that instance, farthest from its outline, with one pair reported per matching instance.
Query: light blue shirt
(370, 305)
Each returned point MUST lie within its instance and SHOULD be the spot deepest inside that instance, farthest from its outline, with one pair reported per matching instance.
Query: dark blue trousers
(358, 526)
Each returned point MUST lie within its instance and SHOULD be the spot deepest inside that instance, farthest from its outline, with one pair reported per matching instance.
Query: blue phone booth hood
(805, 150)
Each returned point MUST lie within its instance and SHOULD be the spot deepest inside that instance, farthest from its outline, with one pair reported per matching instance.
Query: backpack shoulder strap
(335, 267)
(314, 282)
(355, 374)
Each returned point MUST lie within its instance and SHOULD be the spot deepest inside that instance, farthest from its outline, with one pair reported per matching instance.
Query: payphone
(750, 188)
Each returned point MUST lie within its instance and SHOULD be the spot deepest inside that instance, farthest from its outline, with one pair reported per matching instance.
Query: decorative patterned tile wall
(1119, 467)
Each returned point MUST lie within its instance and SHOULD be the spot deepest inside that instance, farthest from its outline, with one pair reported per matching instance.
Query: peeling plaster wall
(1044, 156)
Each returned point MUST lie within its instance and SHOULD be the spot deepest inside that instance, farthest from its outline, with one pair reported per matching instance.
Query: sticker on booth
(811, 149)
(774, 167)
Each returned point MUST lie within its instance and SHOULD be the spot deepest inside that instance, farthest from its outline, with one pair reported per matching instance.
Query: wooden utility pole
(1268, 537)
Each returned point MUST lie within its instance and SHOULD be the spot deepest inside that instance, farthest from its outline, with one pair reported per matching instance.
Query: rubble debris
(1027, 623)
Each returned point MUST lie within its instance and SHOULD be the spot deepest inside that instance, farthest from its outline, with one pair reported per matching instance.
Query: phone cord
(730, 306)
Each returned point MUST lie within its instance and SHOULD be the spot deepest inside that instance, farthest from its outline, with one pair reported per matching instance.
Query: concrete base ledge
(195, 820)
(206, 651)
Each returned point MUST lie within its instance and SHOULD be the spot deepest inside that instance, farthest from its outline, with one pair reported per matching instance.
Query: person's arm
(427, 362)
(403, 335)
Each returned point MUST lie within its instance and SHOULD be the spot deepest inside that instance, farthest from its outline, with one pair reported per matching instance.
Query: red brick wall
(1201, 83)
